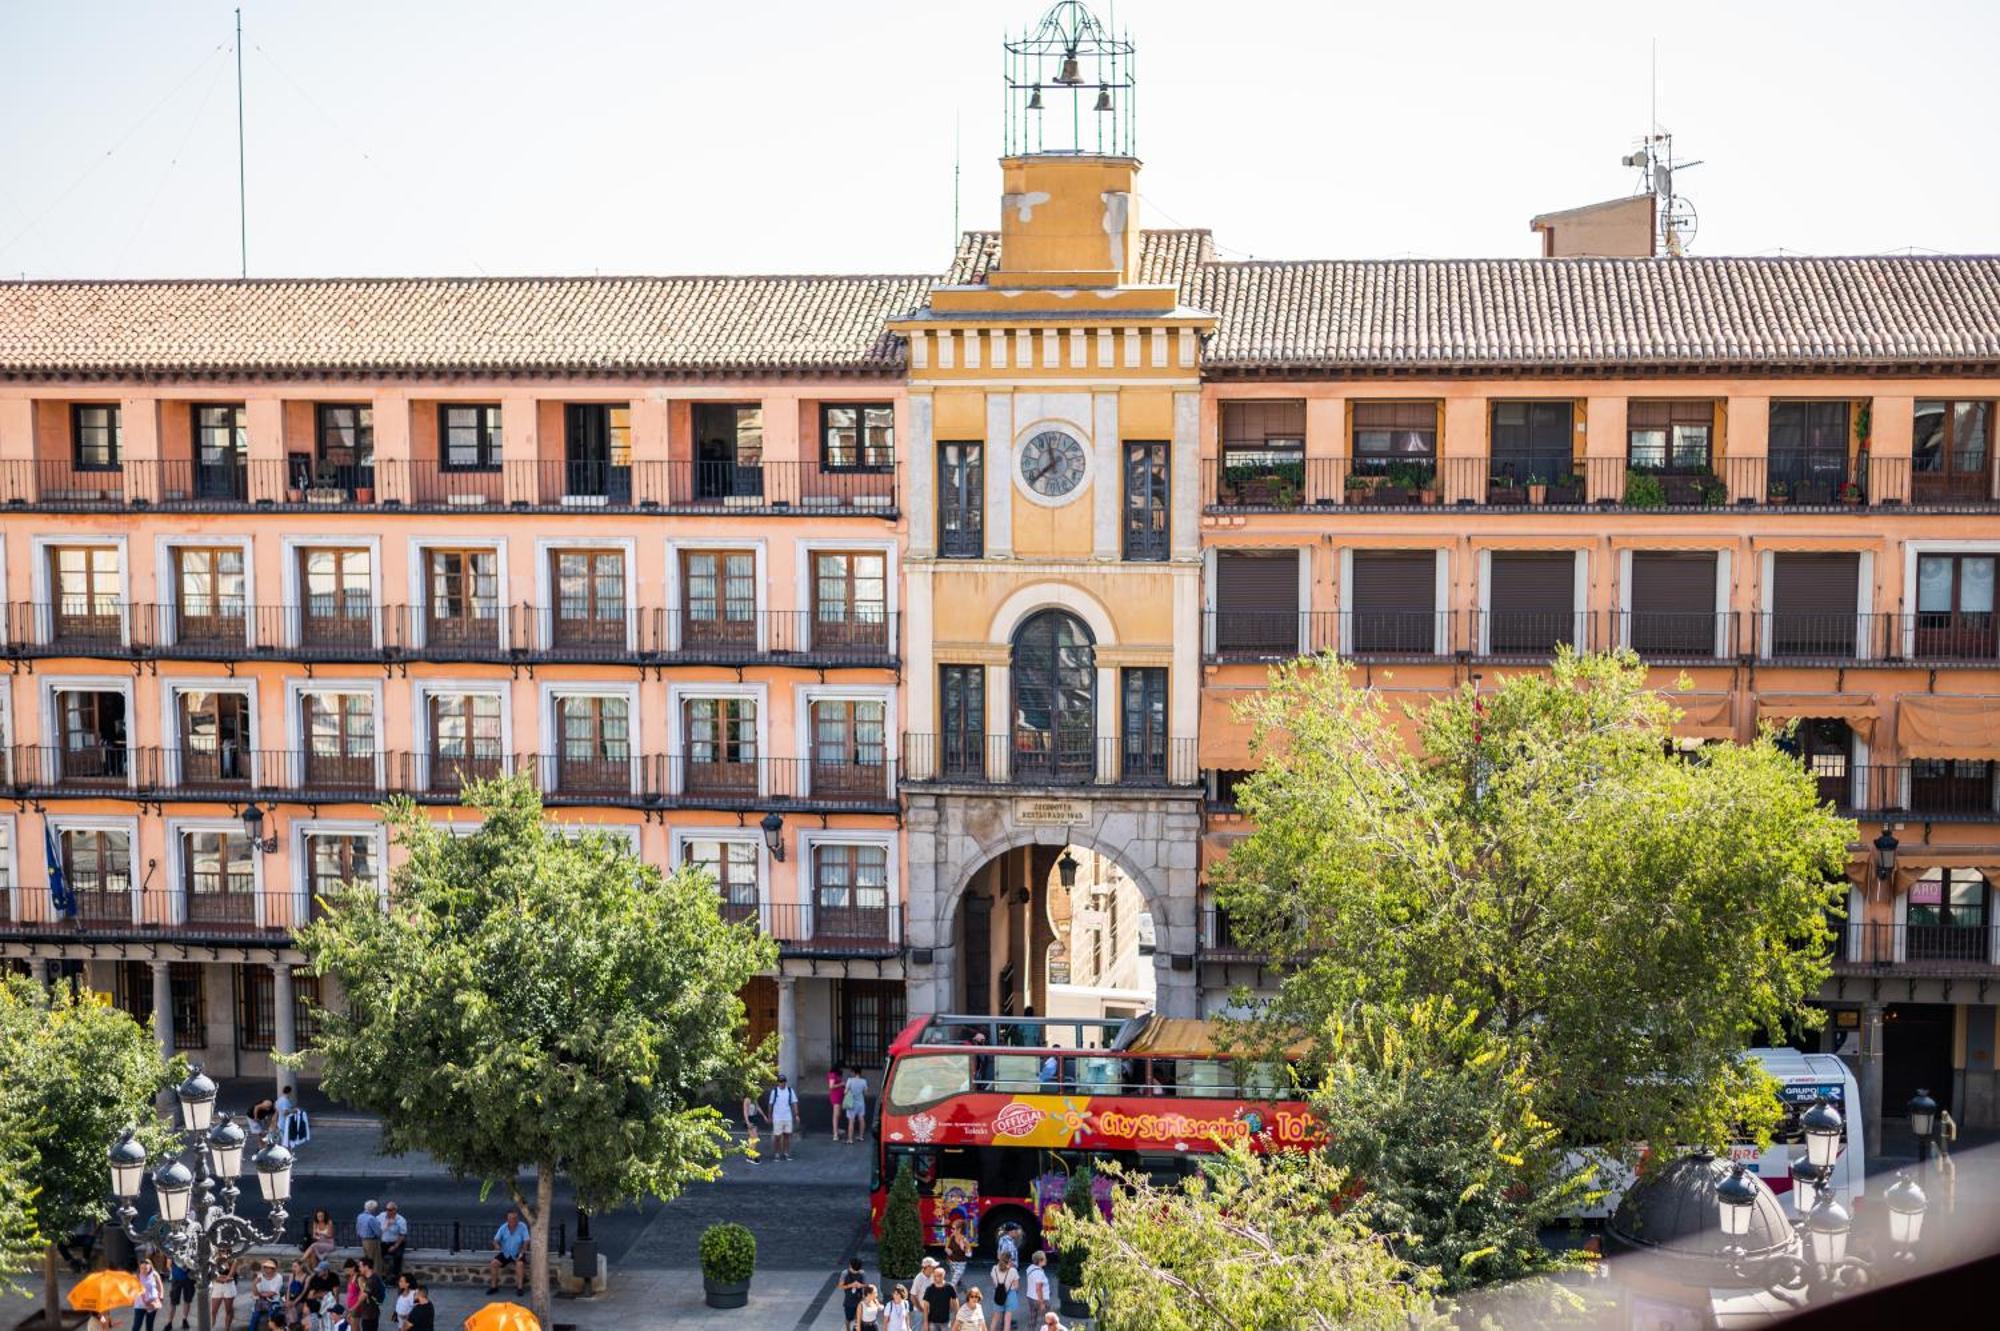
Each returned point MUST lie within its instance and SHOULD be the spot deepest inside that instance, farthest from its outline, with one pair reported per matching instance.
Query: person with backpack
(784, 1111)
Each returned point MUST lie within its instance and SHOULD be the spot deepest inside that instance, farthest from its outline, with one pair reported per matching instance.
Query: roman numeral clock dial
(1052, 463)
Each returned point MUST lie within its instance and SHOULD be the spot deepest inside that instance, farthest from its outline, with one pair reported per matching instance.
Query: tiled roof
(558, 325)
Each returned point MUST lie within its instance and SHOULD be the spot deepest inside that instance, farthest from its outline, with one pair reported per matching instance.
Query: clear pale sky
(577, 136)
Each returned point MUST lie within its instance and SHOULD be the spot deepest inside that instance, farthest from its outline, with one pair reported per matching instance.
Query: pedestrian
(896, 1312)
(395, 1235)
(926, 1275)
(373, 1294)
(320, 1300)
(406, 1298)
(368, 1231)
(751, 1113)
(852, 1286)
(295, 1294)
(1009, 1243)
(222, 1295)
(350, 1288)
(784, 1113)
(854, 1103)
(971, 1314)
(323, 1239)
(940, 1302)
(147, 1298)
(957, 1250)
(1050, 1322)
(836, 1090)
(267, 1297)
(868, 1317)
(423, 1314)
(510, 1248)
(282, 1111)
(180, 1292)
(1036, 1289)
(1006, 1291)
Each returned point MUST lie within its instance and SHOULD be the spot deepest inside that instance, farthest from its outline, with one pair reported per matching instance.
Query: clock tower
(1053, 569)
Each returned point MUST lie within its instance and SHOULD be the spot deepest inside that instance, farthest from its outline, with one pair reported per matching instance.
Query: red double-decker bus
(995, 1113)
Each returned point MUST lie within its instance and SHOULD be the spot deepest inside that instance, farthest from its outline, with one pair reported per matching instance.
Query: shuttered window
(1531, 601)
(1257, 600)
(1814, 598)
(1393, 601)
(1533, 441)
(1673, 603)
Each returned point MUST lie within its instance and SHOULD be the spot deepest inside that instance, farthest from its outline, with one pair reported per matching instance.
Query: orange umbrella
(104, 1291)
(502, 1317)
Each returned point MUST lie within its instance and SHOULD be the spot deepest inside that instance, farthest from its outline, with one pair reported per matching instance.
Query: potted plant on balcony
(1359, 487)
(1397, 485)
(1501, 489)
(1644, 490)
(1566, 489)
(1538, 490)
(1849, 493)
(728, 1259)
(1777, 492)
(326, 488)
(1425, 477)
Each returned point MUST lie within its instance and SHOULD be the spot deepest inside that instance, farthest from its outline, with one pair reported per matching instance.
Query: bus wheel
(997, 1219)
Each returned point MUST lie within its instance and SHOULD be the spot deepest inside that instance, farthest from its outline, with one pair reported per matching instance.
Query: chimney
(1616, 228)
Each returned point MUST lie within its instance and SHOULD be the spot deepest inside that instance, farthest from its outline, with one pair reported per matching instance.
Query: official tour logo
(1017, 1119)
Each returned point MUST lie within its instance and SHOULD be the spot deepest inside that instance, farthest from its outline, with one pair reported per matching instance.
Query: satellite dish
(1679, 225)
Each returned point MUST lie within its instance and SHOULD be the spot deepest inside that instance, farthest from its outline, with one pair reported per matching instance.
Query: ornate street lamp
(1885, 856)
(197, 1224)
(253, 828)
(1066, 869)
(1906, 1203)
(1923, 1112)
(773, 825)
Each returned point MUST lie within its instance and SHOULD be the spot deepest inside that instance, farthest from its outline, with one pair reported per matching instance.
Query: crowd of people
(778, 1110)
(1018, 1295)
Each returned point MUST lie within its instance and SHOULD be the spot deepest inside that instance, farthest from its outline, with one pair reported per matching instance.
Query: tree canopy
(536, 999)
(1620, 916)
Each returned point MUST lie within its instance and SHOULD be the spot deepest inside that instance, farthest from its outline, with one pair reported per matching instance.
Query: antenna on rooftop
(242, 208)
(1675, 221)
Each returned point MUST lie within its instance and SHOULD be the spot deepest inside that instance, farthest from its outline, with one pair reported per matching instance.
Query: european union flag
(60, 896)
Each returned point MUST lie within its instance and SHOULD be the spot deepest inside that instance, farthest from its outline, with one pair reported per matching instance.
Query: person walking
(1036, 1289)
(971, 1313)
(373, 1294)
(368, 1231)
(751, 1113)
(1006, 1291)
(957, 1250)
(406, 1298)
(926, 1274)
(510, 1248)
(854, 1103)
(852, 1287)
(940, 1302)
(784, 1113)
(395, 1235)
(898, 1311)
(222, 1295)
(423, 1313)
(180, 1292)
(836, 1090)
(147, 1298)
(868, 1315)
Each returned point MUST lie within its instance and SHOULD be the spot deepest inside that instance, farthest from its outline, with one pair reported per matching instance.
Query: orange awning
(1703, 715)
(1225, 740)
(1933, 725)
(1859, 710)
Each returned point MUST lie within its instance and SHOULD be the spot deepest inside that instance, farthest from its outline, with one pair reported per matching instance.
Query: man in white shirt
(784, 1109)
(925, 1276)
(1036, 1289)
(855, 1105)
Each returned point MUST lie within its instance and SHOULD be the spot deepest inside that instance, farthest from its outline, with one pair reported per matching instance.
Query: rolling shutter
(1673, 603)
(1257, 602)
(1393, 601)
(1531, 601)
(1813, 602)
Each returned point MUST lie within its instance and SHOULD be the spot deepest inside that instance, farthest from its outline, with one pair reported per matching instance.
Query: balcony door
(719, 599)
(219, 879)
(1054, 674)
(721, 739)
(597, 452)
(1826, 746)
(728, 451)
(596, 756)
(340, 739)
(209, 584)
(465, 738)
(1947, 914)
(850, 758)
(733, 865)
(464, 599)
(1955, 606)
(88, 607)
(850, 892)
(93, 734)
(590, 608)
(215, 737)
(1953, 452)
(221, 453)
(97, 864)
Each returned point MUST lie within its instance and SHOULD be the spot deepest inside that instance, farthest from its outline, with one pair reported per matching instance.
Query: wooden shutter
(1257, 601)
(1393, 601)
(1673, 602)
(1531, 600)
(1810, 584)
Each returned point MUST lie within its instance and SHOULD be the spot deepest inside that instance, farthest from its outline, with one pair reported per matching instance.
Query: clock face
(1052, 463)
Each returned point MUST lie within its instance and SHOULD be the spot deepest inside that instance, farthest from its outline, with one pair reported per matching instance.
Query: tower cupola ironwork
(1070, 88)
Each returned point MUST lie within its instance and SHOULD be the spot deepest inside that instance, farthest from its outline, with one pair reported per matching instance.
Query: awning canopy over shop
(1703, 715)
(1933, 725)
(1859, 710)
(1914, 863)
(1225, 739)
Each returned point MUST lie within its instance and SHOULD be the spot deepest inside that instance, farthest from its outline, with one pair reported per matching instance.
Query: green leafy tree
(1255, 1243)
(74, 1072)
(1080, 1201)
(901, 1250)
(531, 999)
(1621, 918)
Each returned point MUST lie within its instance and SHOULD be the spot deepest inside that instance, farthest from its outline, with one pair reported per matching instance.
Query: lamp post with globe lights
(197, 1224)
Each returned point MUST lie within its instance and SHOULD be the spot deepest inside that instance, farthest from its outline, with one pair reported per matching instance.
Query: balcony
(1026, 760)
(822, 930)
(1915, 950)
(1935, 791)
(1835, 637)
(1254, 637)
(239, 913)
(1218, 942)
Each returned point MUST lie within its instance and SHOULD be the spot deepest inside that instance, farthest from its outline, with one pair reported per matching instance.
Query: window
(1531, 601)
(464, 597)
(89, 606)
(1951, 786)
(1673, 603)
(94, 437)
(1263, 452)
(92, 722)
(465, 738)
(728, 451)
(1053, 669)
(1147, 508)
(469, 436)
(1808, 458)
(850, 757)
(1257, 603)
(733, 865)
(721, 739)
(1953, 450)
(850, 600)
(1826, 746)
(1145, 694)
(340, 738)
(346, 444)
(209, 591)
(719, 591)
(590, 597)
(134, 981)
(1392, 602)
(97, 864)
(1389, 432)
(218, 878)
(961, 500)
(857, 437)
(334, 860)
(850, 892)
(596, 751)
(1947, 916)
(1669, 436)
(1814, 603)
(256, 1008)
(871, 1013)
(339, 608)
(962, 721)
(305, 1008)
(1533, 441)
(215, 736)
(221, 453)
(1955, 605)
(597, 451)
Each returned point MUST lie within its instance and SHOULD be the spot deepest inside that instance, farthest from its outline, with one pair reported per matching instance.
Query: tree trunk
(51, 1296)
(538, 1240)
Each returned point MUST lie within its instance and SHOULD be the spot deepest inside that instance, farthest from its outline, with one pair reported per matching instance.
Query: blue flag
(60, 896)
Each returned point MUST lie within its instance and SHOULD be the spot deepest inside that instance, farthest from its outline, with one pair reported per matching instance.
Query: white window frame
(805, 589)
(168, 587)
(177, 830)
(677, 593)
(294, 546)
(422, 690)
(803, 698)
(1723, 645)
(1913, 553)
(678, 694)
(303, 828)
(549, 755)
(545, 590)
(420, 590)
(679, 837)
(295, 738)
(56, 824)
(807, 885)
(42, 594)
(52, 735)
(10, 863)
(172, 686)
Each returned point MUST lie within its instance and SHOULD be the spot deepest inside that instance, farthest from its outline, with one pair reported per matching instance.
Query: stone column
(788, 1030)
(1868, 1071)
(920, 471)
(163, 1008)
(283, 1026)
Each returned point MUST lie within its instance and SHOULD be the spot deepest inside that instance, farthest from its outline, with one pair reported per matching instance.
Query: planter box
(725, 1294)
(1507, 494)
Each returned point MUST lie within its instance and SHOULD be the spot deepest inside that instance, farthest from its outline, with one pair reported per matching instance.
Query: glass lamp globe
(173, 1185)
(1736, 1196)
(274, 1173)
(128, 1166)
(1823, 1129)
(1906, 1203)
(197, 1100)
(225, 1148)
(1826, 1230)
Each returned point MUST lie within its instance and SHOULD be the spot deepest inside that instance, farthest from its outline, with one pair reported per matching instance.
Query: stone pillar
(283, 1026)
(1868, 1071)
(788, 1030)
(920, 473)
(163, 1008)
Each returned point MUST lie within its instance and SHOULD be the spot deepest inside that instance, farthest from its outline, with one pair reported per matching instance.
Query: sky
(400, 137)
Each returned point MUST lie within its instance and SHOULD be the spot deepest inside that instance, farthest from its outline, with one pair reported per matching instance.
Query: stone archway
(952, 837)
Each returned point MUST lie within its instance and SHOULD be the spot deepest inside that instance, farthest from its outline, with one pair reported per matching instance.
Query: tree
(1080, 1201)
(1255, 1243)
(535, 999)
(74, 1072)
(902, 1247)
(1622, 918)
